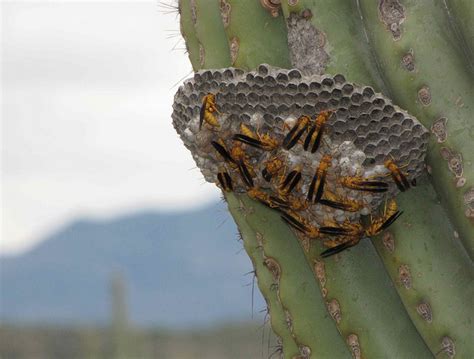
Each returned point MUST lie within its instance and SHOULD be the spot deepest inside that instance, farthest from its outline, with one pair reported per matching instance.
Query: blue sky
(86, 128)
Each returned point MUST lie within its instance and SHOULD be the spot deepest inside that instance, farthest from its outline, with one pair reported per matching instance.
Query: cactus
(419, 305)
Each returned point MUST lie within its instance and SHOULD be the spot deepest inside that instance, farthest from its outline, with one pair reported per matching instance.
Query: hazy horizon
(87, 94)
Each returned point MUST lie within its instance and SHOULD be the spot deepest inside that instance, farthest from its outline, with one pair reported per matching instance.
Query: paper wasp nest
(364, 130)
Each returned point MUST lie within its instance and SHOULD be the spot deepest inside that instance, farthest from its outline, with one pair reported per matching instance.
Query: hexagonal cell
(354, 110)
(269, 81)
(365, 107)
(241, 98)
(228, 74)
(378, 102)
(333, 103)
(336, 93)
(328, 82)
(242, 87)
(345, 102)
(347, 89)
(339, 79)
(356, 98)
(206, 75)
(314, 86)
(368, 93)
(312, 97)
(292, 88)
(324, 96)
(303, 88)
(282, 77)
(262, 70)
(294, 74)
(258, 80)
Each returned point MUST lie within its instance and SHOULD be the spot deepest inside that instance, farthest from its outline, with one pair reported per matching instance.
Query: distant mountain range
(180, 269)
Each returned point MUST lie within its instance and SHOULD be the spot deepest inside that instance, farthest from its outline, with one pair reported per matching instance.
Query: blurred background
(112, 244)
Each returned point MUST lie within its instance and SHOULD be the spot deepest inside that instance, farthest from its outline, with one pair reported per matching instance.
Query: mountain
(180, 270)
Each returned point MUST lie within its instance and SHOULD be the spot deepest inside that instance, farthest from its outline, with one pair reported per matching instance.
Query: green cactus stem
(346, 43)
(267, 272)
(261, 40)
(187, 21)
(426, 73)
(432, 274)
(460, 15)
(306, 315)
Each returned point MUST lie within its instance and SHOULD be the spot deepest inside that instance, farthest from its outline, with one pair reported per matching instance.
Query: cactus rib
(433, 275)
(267, 280)
(307, 317)
(261, 40)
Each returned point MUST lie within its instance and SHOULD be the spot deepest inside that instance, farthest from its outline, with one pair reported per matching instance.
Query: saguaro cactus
(420, 304)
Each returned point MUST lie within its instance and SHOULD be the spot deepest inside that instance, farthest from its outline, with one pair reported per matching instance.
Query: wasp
(344, 204)
(296, 132)
(364, 184)
(225, 181)
(300, 224)
(354, 233)
(272, 167)
(236, 158)
(316, 187)
(208, 108)
(266, 199)
(397, 175)
(290, 182)
(263, 142)
(315, 132)
(390, 215)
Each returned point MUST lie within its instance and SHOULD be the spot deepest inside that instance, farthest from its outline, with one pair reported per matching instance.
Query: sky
(87, 90)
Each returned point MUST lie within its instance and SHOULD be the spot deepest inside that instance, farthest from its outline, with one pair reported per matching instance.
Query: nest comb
(364, 130)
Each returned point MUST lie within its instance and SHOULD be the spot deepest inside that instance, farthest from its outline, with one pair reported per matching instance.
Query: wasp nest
(321, 150)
